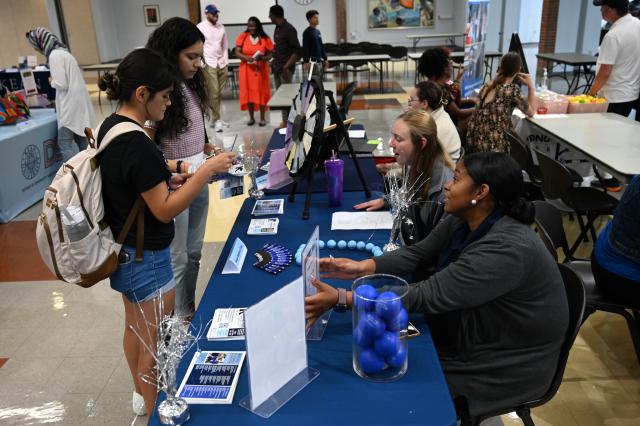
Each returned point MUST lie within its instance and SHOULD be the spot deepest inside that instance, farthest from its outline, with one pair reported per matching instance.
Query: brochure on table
(268, 207)
(212, 377)
(276, 350)
(311, 269)
(227, 324)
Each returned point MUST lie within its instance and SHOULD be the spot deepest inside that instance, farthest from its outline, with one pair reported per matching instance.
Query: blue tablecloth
(338, 396)
(29, 159)
(351, 179)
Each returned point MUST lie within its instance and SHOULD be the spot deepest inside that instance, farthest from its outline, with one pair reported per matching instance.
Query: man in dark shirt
(312, 47)
(287, 51)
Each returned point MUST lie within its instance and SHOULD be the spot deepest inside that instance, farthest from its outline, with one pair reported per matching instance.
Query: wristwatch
(341, 306)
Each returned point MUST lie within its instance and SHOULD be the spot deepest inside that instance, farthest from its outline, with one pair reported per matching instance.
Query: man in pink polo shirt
(216, 57)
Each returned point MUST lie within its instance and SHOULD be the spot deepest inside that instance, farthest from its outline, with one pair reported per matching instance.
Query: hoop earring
(474, 202)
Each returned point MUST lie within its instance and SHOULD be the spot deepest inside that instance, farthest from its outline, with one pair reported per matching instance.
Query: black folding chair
(549, 221)
(558, 189)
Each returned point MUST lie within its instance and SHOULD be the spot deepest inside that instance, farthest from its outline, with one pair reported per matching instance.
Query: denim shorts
(142, 281)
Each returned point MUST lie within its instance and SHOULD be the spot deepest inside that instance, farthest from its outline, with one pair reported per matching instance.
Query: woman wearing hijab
(73, 106)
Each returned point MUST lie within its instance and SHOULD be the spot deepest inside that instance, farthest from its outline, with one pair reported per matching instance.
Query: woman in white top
(428, 96)
(73, 106)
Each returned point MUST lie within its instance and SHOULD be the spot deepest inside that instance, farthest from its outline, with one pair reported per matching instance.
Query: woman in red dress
(254, 48)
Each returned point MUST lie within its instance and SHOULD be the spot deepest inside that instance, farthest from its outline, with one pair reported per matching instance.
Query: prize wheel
(303, 138)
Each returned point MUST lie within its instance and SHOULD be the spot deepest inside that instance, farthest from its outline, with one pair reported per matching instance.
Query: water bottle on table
(334, 169)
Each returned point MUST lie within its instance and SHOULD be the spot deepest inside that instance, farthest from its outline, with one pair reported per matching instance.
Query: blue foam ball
(351, 244)
(397, 360)
(342, 244)
(399, 322)
(376, 248)
(372, 327)
(369, 293)
(360, 245)
(377, 253)
(368, 247)
(388, 305)
(362, 340)
(299, 259)
(320, 244)
(387, 344)
(331, 244)
(371, 362)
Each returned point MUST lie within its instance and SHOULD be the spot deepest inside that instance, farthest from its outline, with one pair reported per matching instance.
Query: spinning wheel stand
(325, 153)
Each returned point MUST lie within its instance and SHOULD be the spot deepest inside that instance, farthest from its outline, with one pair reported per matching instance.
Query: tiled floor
(61, 359)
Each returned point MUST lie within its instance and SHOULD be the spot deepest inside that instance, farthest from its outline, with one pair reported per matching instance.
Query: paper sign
(373, 142)
(278, 175)
(356, 134)
(276, 345)
(361, 220)
(236, 258)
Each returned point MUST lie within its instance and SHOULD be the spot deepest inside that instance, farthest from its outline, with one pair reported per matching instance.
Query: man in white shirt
(618, 65)
(216, 56)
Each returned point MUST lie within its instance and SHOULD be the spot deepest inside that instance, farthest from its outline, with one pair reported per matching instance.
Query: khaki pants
(216, 79)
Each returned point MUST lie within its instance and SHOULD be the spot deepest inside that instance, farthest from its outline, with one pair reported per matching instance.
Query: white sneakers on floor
(219, 125)
(137, 403)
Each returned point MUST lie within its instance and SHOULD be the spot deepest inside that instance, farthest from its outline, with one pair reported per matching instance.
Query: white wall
(104, 20)
(568, 25)
(450, 18)
(124, 30)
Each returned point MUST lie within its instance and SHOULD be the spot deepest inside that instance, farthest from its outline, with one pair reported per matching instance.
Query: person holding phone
(182, 137)
(498, 98)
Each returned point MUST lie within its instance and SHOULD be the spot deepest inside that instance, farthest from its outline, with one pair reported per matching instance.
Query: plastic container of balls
(552, 102)
(586, 104)
(380, 348)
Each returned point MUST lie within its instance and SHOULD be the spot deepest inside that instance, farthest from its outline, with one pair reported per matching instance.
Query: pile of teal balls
(377, 334)
(341, 245)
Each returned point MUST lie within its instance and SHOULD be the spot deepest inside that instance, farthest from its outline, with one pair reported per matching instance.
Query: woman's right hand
(370, 205)
(526, 79)
(345, 269)
(220, 163)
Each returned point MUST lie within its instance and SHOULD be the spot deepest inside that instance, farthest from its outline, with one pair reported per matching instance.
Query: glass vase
(380, 348)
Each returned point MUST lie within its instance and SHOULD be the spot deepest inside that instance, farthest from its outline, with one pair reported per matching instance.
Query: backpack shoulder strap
(117, 130)
(137, 212)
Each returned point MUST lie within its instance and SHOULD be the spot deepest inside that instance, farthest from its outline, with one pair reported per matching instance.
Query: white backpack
(77, 186)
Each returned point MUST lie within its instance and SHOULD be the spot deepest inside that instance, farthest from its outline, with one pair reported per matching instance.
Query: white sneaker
(218, 126)
(137, 403)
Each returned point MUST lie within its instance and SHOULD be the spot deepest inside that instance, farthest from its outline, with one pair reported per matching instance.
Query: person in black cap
(618, 66)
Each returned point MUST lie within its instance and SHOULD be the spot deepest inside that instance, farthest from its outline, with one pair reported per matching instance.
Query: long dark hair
(142, 67)
(259, 28)
(421, 125)
(510, 65)
(173, 36)
(504, 177)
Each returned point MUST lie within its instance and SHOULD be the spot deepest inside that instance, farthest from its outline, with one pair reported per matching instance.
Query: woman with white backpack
(132, 166)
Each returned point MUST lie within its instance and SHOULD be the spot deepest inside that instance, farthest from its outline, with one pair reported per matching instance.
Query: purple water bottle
(334, 169)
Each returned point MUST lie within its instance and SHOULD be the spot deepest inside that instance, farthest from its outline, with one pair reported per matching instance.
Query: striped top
(192, 139)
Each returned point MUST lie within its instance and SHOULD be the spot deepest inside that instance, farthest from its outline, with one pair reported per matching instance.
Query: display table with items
(351, 181)
(10, 78)
(29, 159)
(421, 396)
